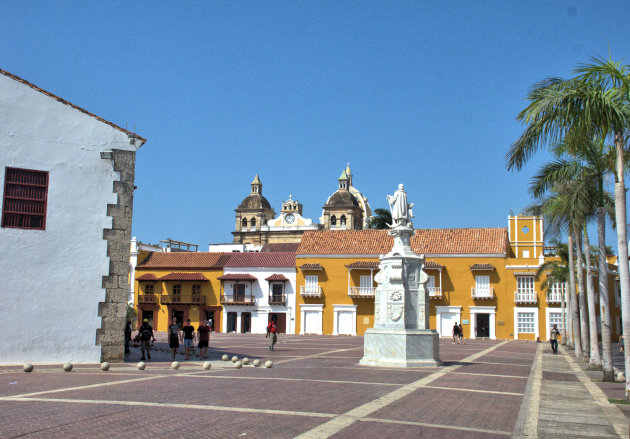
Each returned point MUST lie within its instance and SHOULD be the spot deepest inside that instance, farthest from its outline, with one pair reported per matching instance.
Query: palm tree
(557, 273)
(381, 220)
(579, 157)
(597, 100)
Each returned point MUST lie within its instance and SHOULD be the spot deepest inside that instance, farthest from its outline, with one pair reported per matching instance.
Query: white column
(238, 322)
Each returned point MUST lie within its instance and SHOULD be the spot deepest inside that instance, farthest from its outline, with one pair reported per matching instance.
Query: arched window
(333, 221)
(342, 221)
(253, 222)
(244, 224)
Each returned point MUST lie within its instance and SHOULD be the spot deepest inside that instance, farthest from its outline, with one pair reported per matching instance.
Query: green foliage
(381, 220)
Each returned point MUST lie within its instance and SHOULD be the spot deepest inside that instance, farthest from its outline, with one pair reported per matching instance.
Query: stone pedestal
(401, 336)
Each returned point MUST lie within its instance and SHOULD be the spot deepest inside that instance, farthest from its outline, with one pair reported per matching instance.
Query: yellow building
(183, 285)
(483, 278)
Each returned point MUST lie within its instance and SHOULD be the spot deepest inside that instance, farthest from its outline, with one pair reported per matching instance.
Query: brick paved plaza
(316, 389)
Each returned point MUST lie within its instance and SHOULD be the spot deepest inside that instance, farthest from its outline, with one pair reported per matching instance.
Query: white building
(256, 287)
(67, 178)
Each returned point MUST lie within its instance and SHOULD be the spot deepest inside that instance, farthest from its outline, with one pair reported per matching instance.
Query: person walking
(146, 334)
(455, 333)
(272, 329)
(553, 339)
(189, 332)
(460, 334)
(127, 336)
(173, 337)
(203, 335)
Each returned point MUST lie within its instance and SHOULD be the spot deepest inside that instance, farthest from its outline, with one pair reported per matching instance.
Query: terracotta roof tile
(184, 260)
(314, 267)
(363, 264)
(237, 276)
(255, 259)
(276, 277)
(434, 265)
(484, 267)
(147, 276)
(424, 241)
(184, 276)
(290, 247)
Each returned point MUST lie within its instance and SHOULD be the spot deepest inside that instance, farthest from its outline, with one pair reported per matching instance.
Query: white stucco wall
(51, 280)
(260, 290)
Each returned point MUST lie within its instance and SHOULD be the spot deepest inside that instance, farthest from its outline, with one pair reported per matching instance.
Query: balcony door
(276, 293)
(365, 284)
(482, 285)
(239, 293)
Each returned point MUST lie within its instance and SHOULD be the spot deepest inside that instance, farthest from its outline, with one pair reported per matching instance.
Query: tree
(381, 220)
(557, 273)
(596, 101)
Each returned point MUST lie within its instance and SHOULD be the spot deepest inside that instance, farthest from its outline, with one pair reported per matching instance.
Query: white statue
(401, 210)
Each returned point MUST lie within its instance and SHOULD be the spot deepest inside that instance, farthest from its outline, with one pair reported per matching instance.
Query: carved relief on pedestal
(394, 312)
(396, 295)
(421, 314)
(377, 312)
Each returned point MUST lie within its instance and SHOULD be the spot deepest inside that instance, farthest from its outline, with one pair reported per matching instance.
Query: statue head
(401, 187)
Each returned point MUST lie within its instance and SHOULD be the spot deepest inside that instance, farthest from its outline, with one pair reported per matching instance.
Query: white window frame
(446, 309)
(344, 308)
(311, 281)
(311, 307)
(548, 323)
(522, 310)
(492, 310)
(482, 289)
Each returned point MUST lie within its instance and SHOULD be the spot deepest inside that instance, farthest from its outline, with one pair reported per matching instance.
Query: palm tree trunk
(581, 294)
(622, 248)
(564, 310)
(575, 315)
(604, 308)
(595, 360)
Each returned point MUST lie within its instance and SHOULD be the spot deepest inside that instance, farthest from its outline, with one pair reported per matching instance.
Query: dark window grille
(24, 201)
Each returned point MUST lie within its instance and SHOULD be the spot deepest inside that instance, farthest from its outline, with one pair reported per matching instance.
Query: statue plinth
(401, 336)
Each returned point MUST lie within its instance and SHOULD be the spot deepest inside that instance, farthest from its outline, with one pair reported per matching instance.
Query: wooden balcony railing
(435, 292)
(181, 299)
(237, 299)
(530, 297)
(277, 299)
(361, 292)
(482, 293)
(310, 291)
(150, 299)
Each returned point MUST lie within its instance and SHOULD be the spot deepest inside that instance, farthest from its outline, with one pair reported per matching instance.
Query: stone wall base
(401, 348)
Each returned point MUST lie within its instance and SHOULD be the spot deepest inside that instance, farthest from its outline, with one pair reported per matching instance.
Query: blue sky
(420, 93)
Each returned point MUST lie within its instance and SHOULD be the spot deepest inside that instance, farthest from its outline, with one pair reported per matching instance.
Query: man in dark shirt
(204, 338)
(188, 331)
(173, 337)
(146, 334)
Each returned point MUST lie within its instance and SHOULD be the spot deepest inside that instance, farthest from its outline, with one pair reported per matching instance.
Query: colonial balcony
(435, 292)
(237, 299)
(482, 293)
(554, 297)
(277, 299)
(147, 299)
(367, 292)
(181, 299)
(310, 291)
(530, 297)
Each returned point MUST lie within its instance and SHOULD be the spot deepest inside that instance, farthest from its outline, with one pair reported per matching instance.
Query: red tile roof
(485, 267)
(433, 264)
(277, 277)
(237, 276)
(147, 276)
(424, 241)
(63, 101)
(363, 264)
(290, 247)
(255, 259)
(184, 276)
(313, 267)
(184, 260)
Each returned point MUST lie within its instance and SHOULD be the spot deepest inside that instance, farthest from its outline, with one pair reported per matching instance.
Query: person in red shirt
(272, 332)
(204, 338)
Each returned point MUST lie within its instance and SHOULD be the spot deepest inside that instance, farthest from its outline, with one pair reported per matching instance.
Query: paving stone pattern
(315, 389)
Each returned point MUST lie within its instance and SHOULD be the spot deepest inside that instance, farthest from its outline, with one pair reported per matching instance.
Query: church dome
(254, 201)
(342, 198)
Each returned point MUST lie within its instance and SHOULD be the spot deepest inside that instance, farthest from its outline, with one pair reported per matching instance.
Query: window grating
(24, 201)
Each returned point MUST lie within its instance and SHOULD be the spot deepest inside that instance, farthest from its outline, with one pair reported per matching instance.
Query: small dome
(342, 198)
(254, 201)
